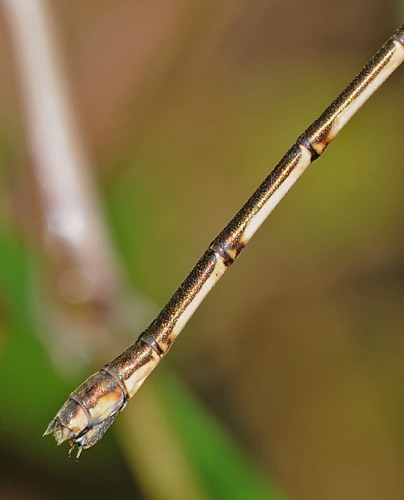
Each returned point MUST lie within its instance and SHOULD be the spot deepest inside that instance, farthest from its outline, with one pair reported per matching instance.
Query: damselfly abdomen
(92, 408)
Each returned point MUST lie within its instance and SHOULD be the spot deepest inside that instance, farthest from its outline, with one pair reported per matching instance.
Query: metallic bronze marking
(82, 405)
(112, 373)
(318, 133)
(162, 327)
(133, 359)
(233, 234)
(95, 387)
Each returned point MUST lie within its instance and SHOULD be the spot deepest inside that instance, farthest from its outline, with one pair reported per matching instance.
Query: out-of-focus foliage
(298, 352)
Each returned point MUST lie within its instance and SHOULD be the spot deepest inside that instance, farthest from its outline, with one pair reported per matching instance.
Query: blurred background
(130, 133)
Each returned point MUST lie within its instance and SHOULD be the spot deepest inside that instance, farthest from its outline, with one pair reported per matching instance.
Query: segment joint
(112, 373)
(82, 406)
(307, 143)
(399, 35)
(151, 342)
(227, 255)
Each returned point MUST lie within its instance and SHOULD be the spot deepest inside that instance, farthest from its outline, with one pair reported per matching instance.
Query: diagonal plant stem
(80, 256)
(73, 227)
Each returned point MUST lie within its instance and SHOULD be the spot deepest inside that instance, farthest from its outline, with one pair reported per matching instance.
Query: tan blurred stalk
(89, 306)
(87, 303)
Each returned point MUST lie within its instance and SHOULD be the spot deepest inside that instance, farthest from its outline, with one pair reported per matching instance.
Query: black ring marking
(306, 143)
(84, 407)
(399, 37)
(112, 373)
(222, 252)
(152, 343)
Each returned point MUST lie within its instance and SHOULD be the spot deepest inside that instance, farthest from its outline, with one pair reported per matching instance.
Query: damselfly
(91, 409)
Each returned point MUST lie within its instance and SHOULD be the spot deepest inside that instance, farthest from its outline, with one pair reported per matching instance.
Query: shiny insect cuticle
(93, 407)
